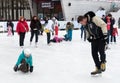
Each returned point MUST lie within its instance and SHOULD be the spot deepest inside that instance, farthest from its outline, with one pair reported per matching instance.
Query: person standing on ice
(35, 26)
(114, 34)
(96, 34)
(24, 63)
(21, 29)
(48, 30)
(10, 24)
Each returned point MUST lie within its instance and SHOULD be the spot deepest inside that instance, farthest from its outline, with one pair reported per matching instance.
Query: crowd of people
(100, 32)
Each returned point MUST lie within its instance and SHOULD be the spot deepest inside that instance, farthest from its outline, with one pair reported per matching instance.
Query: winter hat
(27, 52)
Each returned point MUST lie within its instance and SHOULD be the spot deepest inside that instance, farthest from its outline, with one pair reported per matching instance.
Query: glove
(105, 37)
(15, 68)
(31, 69)
(90, 39)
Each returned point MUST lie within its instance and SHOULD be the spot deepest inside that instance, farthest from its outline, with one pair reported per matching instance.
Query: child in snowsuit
(24, 62)
(69, 29)
(114, 34)
(56, 39)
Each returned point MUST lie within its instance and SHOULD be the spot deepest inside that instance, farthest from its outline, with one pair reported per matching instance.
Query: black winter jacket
(35, 25)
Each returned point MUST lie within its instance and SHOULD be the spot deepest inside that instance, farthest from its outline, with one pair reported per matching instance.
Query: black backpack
(94, 31)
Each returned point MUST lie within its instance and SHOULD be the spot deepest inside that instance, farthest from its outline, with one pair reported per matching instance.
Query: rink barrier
(62, 25)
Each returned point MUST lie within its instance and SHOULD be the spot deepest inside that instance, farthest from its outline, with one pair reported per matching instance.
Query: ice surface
(66, 62)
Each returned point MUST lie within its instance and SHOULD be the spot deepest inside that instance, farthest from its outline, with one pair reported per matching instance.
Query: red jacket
(115, 32)
(108, 24)
(22, 27)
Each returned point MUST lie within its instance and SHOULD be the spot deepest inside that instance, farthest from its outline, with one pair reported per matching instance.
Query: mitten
(31, 69)
(15, 68)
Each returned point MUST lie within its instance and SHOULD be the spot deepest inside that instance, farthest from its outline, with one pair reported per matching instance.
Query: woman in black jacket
(35, 26)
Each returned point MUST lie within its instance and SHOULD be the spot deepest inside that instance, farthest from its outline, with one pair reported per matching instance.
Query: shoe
(21, 46)
(97, 71)
(49, 44)
(103, 67)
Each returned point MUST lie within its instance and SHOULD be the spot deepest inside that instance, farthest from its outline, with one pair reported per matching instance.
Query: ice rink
(66, 62)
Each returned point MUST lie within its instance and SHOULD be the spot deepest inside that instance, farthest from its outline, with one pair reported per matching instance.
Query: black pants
(113, 38)
(48, 38)
(24, 67)
(12, 31)
(22, 37)
(36, 33)
(98, 52)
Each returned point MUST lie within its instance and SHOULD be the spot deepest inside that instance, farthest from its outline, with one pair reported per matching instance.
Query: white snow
(66, 62)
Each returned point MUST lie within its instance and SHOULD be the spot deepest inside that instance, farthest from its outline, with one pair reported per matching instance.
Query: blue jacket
(28, 59)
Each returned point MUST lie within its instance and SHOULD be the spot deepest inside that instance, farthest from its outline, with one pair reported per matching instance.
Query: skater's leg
(12, 31)
(48, 38)
(81, 33)
(70, 35)
(95, 54)
(24, 67)
(111, 39)
(32, 35)
(102, 55)
(102, 51)
(85, 35)
(21, 40)
(36, 36)
(115, 39)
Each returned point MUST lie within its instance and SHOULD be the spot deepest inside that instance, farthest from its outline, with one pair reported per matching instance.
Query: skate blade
(96, 75)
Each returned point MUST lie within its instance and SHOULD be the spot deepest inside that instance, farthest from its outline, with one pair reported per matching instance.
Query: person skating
(114, 34)
(21, 29)
(24, 63)
(96, 34)
(48, 30)
(10, 24)
(35, 26)
(111, 22)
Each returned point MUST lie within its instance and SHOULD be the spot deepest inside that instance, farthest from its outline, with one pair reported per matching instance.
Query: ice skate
(103, 67)
(36, 45)
(96, 72)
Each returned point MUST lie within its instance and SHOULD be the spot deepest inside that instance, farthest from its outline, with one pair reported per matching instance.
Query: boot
(103, 66)
(97, 71)
(36, 44)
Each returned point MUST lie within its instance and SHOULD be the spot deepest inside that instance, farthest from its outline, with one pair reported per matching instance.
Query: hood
(90, 15)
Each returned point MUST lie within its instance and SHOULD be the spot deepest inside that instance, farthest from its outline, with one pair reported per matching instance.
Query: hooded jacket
(27, 59)
(91, 17)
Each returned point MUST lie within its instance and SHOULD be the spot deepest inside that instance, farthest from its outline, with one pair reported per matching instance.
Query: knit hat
(27, 52)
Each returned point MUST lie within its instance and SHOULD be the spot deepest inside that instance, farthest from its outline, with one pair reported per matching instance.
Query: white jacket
(49, 26)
